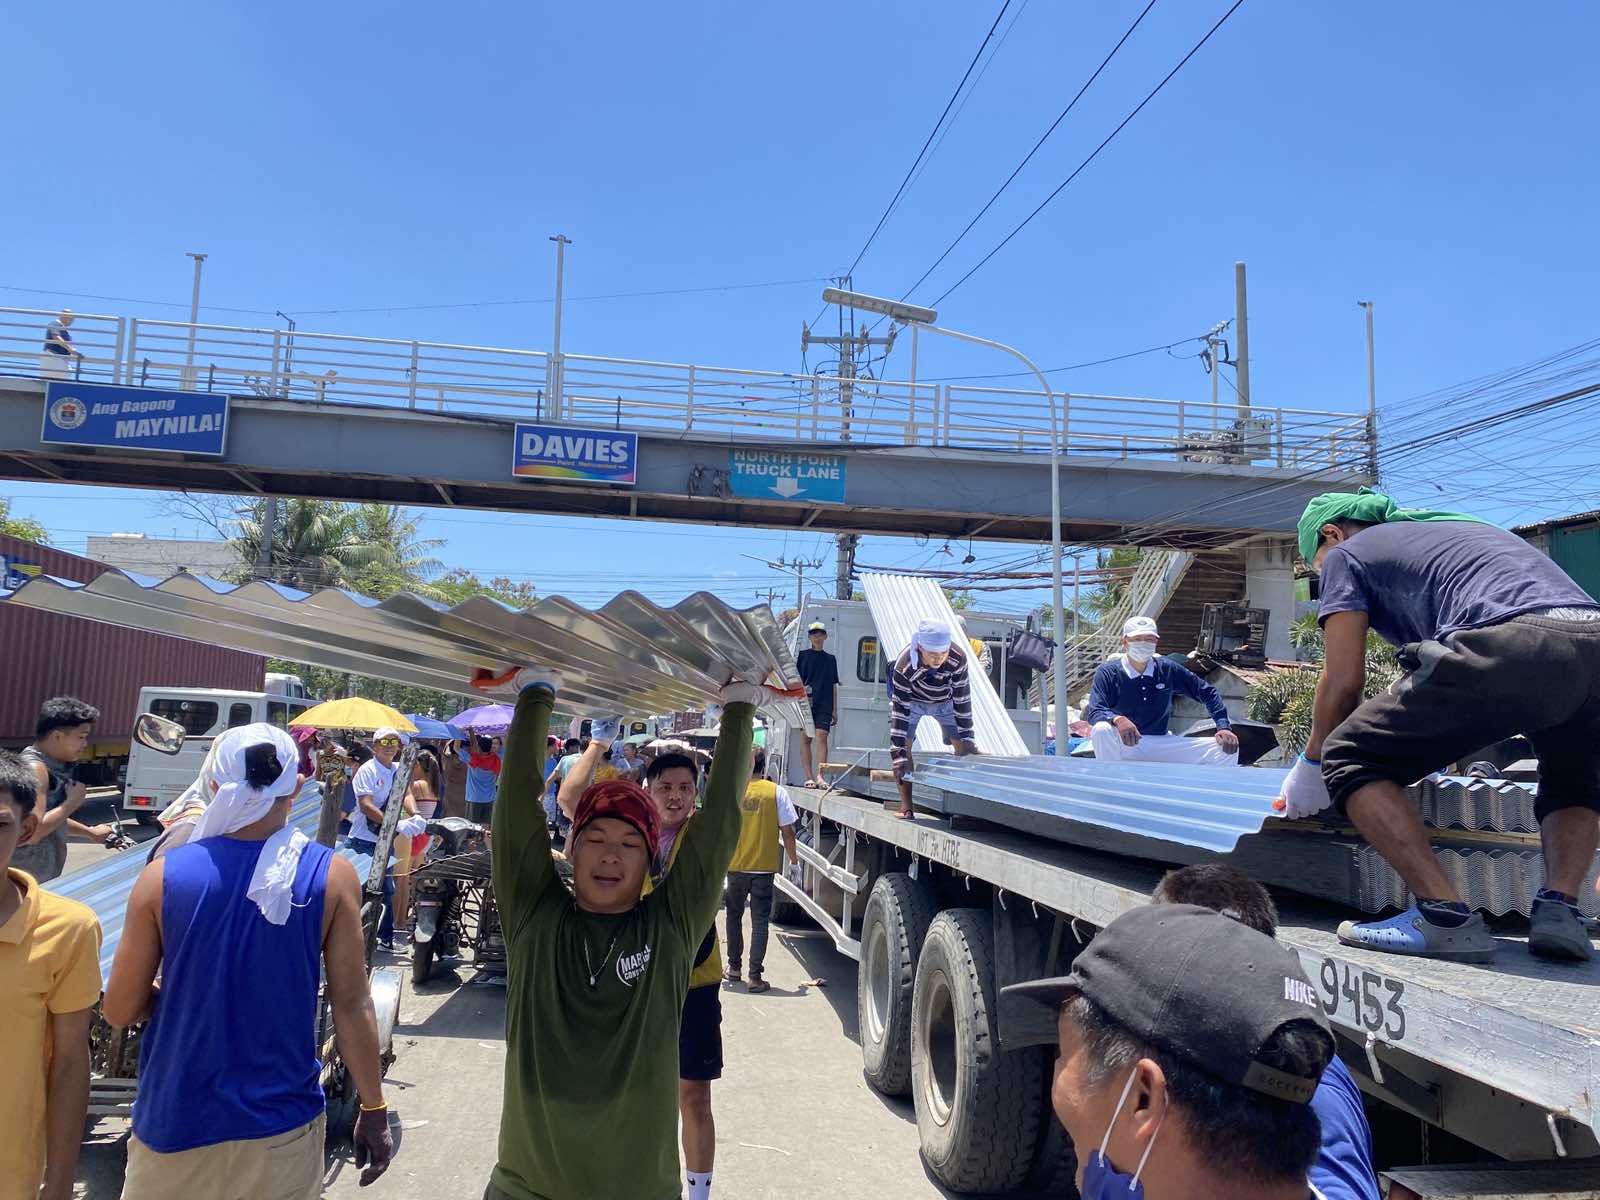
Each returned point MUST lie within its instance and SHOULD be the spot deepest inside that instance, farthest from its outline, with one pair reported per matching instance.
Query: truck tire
(786, 911)
(977, 1107)
(1055, 1159)
(899, 911)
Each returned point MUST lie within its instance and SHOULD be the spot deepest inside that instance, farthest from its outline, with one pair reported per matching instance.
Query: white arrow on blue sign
(786, 475)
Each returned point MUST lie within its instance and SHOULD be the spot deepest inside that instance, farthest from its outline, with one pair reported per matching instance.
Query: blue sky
(1433, 157)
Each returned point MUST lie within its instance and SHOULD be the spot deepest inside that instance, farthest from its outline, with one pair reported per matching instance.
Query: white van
(156, 780)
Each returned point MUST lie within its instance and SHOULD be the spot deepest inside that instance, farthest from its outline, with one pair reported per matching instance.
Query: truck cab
(862, 719)
(156, 780)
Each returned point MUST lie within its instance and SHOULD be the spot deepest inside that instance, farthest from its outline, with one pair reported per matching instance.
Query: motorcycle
(452, 894)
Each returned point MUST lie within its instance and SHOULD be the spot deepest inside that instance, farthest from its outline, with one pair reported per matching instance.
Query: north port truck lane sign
(786, 475)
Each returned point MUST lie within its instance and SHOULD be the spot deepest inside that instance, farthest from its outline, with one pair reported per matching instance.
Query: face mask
(1102, 1181)
(1141, 652)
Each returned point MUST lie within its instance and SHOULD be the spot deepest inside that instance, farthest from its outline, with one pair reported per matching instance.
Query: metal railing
(672, 398)
(1145, 593)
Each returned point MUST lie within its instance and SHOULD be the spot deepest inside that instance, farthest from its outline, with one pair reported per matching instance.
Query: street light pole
(194, 318)
(1372, 399)
(557, 367)
(915, 316)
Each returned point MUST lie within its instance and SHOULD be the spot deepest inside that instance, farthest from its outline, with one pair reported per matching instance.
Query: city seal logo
(68, 412)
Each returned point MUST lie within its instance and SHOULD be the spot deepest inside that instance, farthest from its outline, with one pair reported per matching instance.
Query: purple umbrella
(484, 718)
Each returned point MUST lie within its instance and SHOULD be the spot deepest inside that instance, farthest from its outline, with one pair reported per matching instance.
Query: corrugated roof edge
(630, 653)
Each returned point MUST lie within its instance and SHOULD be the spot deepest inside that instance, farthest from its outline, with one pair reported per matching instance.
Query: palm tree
(406, 564)
(315, 544)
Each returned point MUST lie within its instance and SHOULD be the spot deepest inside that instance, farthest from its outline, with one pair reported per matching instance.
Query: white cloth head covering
(1139, 627)
(236, 804)
(933, 636)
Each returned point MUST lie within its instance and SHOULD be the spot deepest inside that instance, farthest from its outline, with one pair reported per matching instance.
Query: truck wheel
(146, 818)
(977, 1107)
(899, 910)
(1055, 1159)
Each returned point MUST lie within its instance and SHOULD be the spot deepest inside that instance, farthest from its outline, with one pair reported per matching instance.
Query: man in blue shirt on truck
(1130, 704)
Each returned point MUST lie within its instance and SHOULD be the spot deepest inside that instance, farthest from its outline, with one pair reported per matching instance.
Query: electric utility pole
(799, 566)
(850, 344)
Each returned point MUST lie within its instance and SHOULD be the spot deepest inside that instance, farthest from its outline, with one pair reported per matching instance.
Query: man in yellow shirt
(766, 813)
(49, 985)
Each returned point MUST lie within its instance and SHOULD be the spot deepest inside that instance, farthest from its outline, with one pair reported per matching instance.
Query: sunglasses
(387, 742)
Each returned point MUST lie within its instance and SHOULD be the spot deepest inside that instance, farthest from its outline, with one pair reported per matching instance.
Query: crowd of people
(1193, 1056)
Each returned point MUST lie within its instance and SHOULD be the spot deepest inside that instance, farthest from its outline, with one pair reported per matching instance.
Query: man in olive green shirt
(596, 979)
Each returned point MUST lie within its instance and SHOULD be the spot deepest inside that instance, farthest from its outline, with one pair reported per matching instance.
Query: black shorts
(822, 718)
(1530, 675)
(700, 1034)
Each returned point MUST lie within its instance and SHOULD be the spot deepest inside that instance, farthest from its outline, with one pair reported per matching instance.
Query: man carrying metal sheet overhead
(1496, 640)
(597, 978)
(929, 679)
(1130, 704)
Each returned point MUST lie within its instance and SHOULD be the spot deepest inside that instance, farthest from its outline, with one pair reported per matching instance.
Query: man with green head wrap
(1496, 640)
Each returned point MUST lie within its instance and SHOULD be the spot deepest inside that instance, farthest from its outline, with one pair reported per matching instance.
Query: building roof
(1592, 517)
(1273, 666)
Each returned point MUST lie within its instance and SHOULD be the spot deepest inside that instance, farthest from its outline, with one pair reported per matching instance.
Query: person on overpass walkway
(240, 924)
(1496, 640)
(929, 679)
(767, 816)
(598, 976)
(1130, 705)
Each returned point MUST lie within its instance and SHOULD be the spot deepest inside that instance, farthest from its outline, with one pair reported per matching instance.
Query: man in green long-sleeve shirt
(597, 978)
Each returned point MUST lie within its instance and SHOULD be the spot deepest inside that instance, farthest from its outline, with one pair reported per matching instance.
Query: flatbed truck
(1459, 1062)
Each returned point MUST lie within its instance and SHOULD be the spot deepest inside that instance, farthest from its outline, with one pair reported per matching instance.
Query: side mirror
(158, 734)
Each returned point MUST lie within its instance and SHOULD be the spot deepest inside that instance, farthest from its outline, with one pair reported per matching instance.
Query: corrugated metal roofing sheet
(104, 885)
(46, 654)
(630, 656)
(899, 603)
(1208, 807)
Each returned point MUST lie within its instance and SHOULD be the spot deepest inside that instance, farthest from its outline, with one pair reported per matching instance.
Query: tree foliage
(1286, 698)
(25, 528)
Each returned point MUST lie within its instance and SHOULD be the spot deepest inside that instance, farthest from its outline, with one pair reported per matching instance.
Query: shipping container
(48, 654)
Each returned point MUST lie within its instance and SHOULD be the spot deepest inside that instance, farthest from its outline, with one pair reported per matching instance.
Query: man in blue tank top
(237, 923)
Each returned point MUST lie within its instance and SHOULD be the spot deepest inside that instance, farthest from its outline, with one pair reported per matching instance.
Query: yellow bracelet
(374, 1108)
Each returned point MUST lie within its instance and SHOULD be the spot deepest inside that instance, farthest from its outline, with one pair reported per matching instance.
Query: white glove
(412, 826)
(737, 691)
(514, 682)
(605, 729)
(1304, 794)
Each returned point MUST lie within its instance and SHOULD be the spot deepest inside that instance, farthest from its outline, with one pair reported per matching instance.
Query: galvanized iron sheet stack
(1486, 836)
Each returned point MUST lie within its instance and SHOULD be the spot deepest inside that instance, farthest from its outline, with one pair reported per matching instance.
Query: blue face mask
(1101, 1180)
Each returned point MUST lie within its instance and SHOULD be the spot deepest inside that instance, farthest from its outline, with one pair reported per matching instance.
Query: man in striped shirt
(928, 680)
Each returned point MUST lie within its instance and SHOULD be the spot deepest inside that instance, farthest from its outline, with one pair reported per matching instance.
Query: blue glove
(605, 729)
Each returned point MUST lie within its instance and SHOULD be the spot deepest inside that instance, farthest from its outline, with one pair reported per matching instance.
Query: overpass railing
(671, 398)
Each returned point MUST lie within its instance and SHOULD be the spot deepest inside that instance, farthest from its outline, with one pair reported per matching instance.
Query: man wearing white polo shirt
(1130, 704)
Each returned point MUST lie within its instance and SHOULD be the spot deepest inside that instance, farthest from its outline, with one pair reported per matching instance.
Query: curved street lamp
(924, 318)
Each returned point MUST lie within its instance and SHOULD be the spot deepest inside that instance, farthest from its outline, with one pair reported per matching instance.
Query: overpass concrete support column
(1269, 584)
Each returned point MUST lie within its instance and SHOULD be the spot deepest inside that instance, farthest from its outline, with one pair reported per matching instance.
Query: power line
(899, 191)
(1098, 362)
(1095, 153)
(1027, 158)
(398, 308)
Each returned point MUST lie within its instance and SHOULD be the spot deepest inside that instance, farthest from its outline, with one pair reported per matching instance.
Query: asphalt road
(101, 809)
(795, 1119)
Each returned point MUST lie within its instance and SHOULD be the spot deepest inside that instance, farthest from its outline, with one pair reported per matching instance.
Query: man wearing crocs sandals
(1496, 641)
(597, 976)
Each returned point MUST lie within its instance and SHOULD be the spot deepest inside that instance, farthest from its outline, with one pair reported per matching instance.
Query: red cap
(624, 800)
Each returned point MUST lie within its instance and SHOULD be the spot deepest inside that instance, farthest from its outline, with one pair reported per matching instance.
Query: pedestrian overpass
(426, 423)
